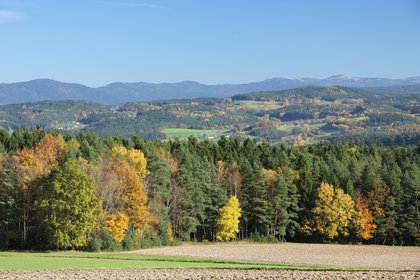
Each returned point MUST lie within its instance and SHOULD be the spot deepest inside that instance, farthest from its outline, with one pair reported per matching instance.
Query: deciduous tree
(364, 219)
(334, 211)
(228, 221)
(69, 206)
(133, 195)
(117, 224)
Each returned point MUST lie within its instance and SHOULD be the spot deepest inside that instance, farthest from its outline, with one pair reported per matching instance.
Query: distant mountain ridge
(116, 93)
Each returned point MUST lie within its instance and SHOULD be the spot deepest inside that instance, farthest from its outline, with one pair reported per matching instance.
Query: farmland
(321, 255)
(220, 261)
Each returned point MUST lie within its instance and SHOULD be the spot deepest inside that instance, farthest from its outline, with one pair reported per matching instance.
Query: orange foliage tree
(49, 151)
(364, 218)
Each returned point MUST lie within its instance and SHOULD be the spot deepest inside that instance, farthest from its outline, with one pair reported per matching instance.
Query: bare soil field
(125, 274)
(366, 256)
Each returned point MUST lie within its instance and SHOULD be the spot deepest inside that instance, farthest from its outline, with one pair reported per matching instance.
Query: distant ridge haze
(116, 93)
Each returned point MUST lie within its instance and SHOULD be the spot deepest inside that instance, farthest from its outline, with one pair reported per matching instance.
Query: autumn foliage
(133, 195)
(98, 192)
(334, 211)
(117, 224)
(364, 218)
(228, 220)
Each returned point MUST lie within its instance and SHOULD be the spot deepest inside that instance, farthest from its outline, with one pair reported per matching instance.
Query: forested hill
(325, 93)
(292, 117)
(117, 93)
(396, 89)
(126, 192)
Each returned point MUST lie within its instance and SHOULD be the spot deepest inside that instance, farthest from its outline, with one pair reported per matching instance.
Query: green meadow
(80, 260)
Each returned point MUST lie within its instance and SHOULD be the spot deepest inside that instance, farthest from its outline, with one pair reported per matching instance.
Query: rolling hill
(117, 93)
(293, 116)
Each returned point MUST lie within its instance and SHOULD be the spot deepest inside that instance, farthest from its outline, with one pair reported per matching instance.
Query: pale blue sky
(96, 42)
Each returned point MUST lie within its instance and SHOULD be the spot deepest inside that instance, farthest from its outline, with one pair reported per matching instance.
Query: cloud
(8, 16)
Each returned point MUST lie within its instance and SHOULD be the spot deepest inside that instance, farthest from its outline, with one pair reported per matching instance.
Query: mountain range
(117, 93)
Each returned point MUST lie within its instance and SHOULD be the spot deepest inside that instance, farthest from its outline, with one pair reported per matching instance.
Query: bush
(257, 237)
(95, 244)
(108, 242)
(131, 241)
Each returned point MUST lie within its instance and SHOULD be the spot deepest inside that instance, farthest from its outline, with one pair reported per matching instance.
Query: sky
(97, 42)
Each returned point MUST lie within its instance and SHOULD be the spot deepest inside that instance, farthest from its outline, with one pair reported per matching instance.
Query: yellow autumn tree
(364, 218)
(134, 157)
(117, 224)
(133, 195)
(334, 211)
(227, 224)
(26, 165)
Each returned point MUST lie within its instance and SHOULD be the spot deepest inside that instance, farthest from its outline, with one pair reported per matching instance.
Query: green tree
(285, 206)
(409, 220)
(158, 185)
(69, 206)
(256, 211)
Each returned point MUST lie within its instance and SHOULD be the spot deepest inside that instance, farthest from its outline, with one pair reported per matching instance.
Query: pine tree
(158, 185)
(409, 220)
(217, 195)
(256, 212)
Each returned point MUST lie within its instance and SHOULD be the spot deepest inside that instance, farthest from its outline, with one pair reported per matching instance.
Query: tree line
(90, 192)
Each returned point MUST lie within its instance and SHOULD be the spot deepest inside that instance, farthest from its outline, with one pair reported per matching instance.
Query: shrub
(95, 244)
(109, 243)
(257, 237)
(131, 241)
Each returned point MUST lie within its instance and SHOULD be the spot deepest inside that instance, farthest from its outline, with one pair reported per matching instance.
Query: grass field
(358, 119)
(286, 127)
(186, 132)
(79, 260)
(260, 105)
